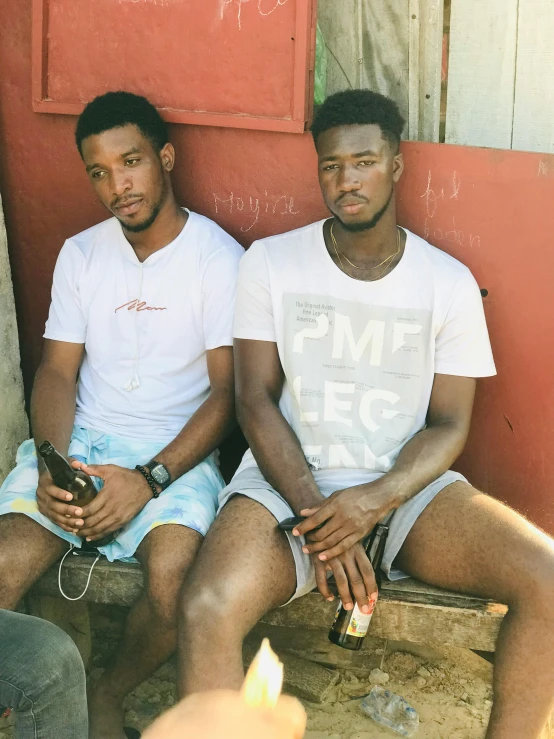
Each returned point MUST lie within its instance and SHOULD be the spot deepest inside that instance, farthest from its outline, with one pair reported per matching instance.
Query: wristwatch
(159, 473)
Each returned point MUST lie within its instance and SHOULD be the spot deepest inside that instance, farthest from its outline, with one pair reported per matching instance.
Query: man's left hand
(346, 517)
(124, 495)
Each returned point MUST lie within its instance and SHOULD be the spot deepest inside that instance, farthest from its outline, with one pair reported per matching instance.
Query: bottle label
(359, 622)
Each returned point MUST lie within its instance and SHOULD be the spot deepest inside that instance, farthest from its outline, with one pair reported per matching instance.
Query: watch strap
(145, 472)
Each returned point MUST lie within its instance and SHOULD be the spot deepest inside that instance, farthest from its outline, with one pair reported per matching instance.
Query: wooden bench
(406, 610)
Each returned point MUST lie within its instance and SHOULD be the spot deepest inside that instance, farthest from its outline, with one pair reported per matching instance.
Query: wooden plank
(482, 66)
(111, 582)
(533, 128)
(393, 619)
(386, 50)
(426, 624)
(360, 45)
(385, 34)
(407, 610)
(413, 70)
(121, 582)
(302, 677)
(401, 54)
(430, 68)
(337, 20)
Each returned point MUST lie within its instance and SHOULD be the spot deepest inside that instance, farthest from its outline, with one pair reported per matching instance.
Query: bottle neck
(59, 468)
(376, 547)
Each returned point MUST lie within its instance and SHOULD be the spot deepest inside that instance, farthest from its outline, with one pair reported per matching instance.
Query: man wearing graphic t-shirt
(137, 371)
(357, 346)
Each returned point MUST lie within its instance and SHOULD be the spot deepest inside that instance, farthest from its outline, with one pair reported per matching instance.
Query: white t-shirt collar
(130, 254)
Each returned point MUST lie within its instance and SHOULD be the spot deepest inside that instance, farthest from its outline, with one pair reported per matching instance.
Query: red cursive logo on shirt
(138, 306)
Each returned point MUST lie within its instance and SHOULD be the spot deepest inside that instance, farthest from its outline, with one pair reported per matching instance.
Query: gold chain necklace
(385, 261)
(391, 256)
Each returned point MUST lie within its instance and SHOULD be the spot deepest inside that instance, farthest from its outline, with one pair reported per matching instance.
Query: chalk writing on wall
(264, 7)
(253, 208)
(442, 234)
(432, 198)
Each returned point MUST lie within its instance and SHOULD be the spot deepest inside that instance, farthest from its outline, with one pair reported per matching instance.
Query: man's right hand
(55, 504)
(353, 575)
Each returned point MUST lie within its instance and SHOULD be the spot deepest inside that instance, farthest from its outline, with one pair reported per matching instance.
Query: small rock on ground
(378, 677)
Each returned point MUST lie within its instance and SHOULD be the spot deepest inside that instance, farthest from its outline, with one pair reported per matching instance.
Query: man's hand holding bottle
(335, 531)
(55, 504)
(123, 495)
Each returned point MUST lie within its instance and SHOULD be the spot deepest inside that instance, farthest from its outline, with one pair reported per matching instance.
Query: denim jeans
(42, 678)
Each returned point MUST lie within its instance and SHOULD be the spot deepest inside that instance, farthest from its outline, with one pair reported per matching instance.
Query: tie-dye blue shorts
(190, 501)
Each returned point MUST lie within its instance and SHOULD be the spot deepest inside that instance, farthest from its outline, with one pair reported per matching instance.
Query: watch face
(160, 474)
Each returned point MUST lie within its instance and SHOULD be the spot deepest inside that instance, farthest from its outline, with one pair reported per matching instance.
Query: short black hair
(115, 109)
(358, 108)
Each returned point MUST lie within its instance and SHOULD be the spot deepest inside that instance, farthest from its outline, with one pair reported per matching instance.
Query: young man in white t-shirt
(357, 345)
(135, 384)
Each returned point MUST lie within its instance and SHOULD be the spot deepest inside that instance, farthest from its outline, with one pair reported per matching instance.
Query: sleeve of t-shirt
(66, 320)
(462, 346)
(254, 309)
(219, 287)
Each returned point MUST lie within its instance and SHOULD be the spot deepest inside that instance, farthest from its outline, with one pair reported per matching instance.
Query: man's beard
(367, 225)
(139, 227)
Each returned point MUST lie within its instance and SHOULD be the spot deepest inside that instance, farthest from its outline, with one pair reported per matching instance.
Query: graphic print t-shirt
(359, 357)
(146, 326)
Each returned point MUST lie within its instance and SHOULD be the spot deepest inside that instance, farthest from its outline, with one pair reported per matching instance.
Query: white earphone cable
(71, 548)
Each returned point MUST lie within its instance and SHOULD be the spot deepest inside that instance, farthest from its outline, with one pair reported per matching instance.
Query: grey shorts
(252, 484)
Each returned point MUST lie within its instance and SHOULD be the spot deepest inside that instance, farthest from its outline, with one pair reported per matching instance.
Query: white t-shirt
(359, 357)
(146, 326)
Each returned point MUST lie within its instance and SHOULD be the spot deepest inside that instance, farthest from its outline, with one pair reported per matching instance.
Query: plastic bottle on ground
(391, 710)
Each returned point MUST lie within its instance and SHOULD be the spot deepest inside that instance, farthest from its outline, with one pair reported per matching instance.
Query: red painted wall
(491, 209)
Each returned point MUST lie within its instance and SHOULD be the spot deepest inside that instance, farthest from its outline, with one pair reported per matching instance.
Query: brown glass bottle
(74, 481)
(349, 628)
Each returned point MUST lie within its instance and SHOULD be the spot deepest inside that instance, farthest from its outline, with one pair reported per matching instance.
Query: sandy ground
(451, 691)
(449, 688)
(453, 699)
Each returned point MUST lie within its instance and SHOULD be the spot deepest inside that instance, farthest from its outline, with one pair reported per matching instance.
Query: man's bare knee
(27, 550)
(534, 589)
(167, 556)
(244, 569)
(162, 592)
(215, 596)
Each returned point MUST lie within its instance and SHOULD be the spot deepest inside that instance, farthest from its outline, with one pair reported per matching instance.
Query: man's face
(128, 174)
(357, 172)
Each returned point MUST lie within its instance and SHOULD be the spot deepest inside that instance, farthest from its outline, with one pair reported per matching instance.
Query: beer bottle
(350, 627)
(74, 481)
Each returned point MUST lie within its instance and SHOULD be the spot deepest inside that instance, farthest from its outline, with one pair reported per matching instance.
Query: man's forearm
(53, 408)
(427, 456)
(278, 453)
(203, 433)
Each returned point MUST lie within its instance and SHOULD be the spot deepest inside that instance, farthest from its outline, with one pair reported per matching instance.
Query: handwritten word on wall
(432, 199)
(264, 7)
(254, 208)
